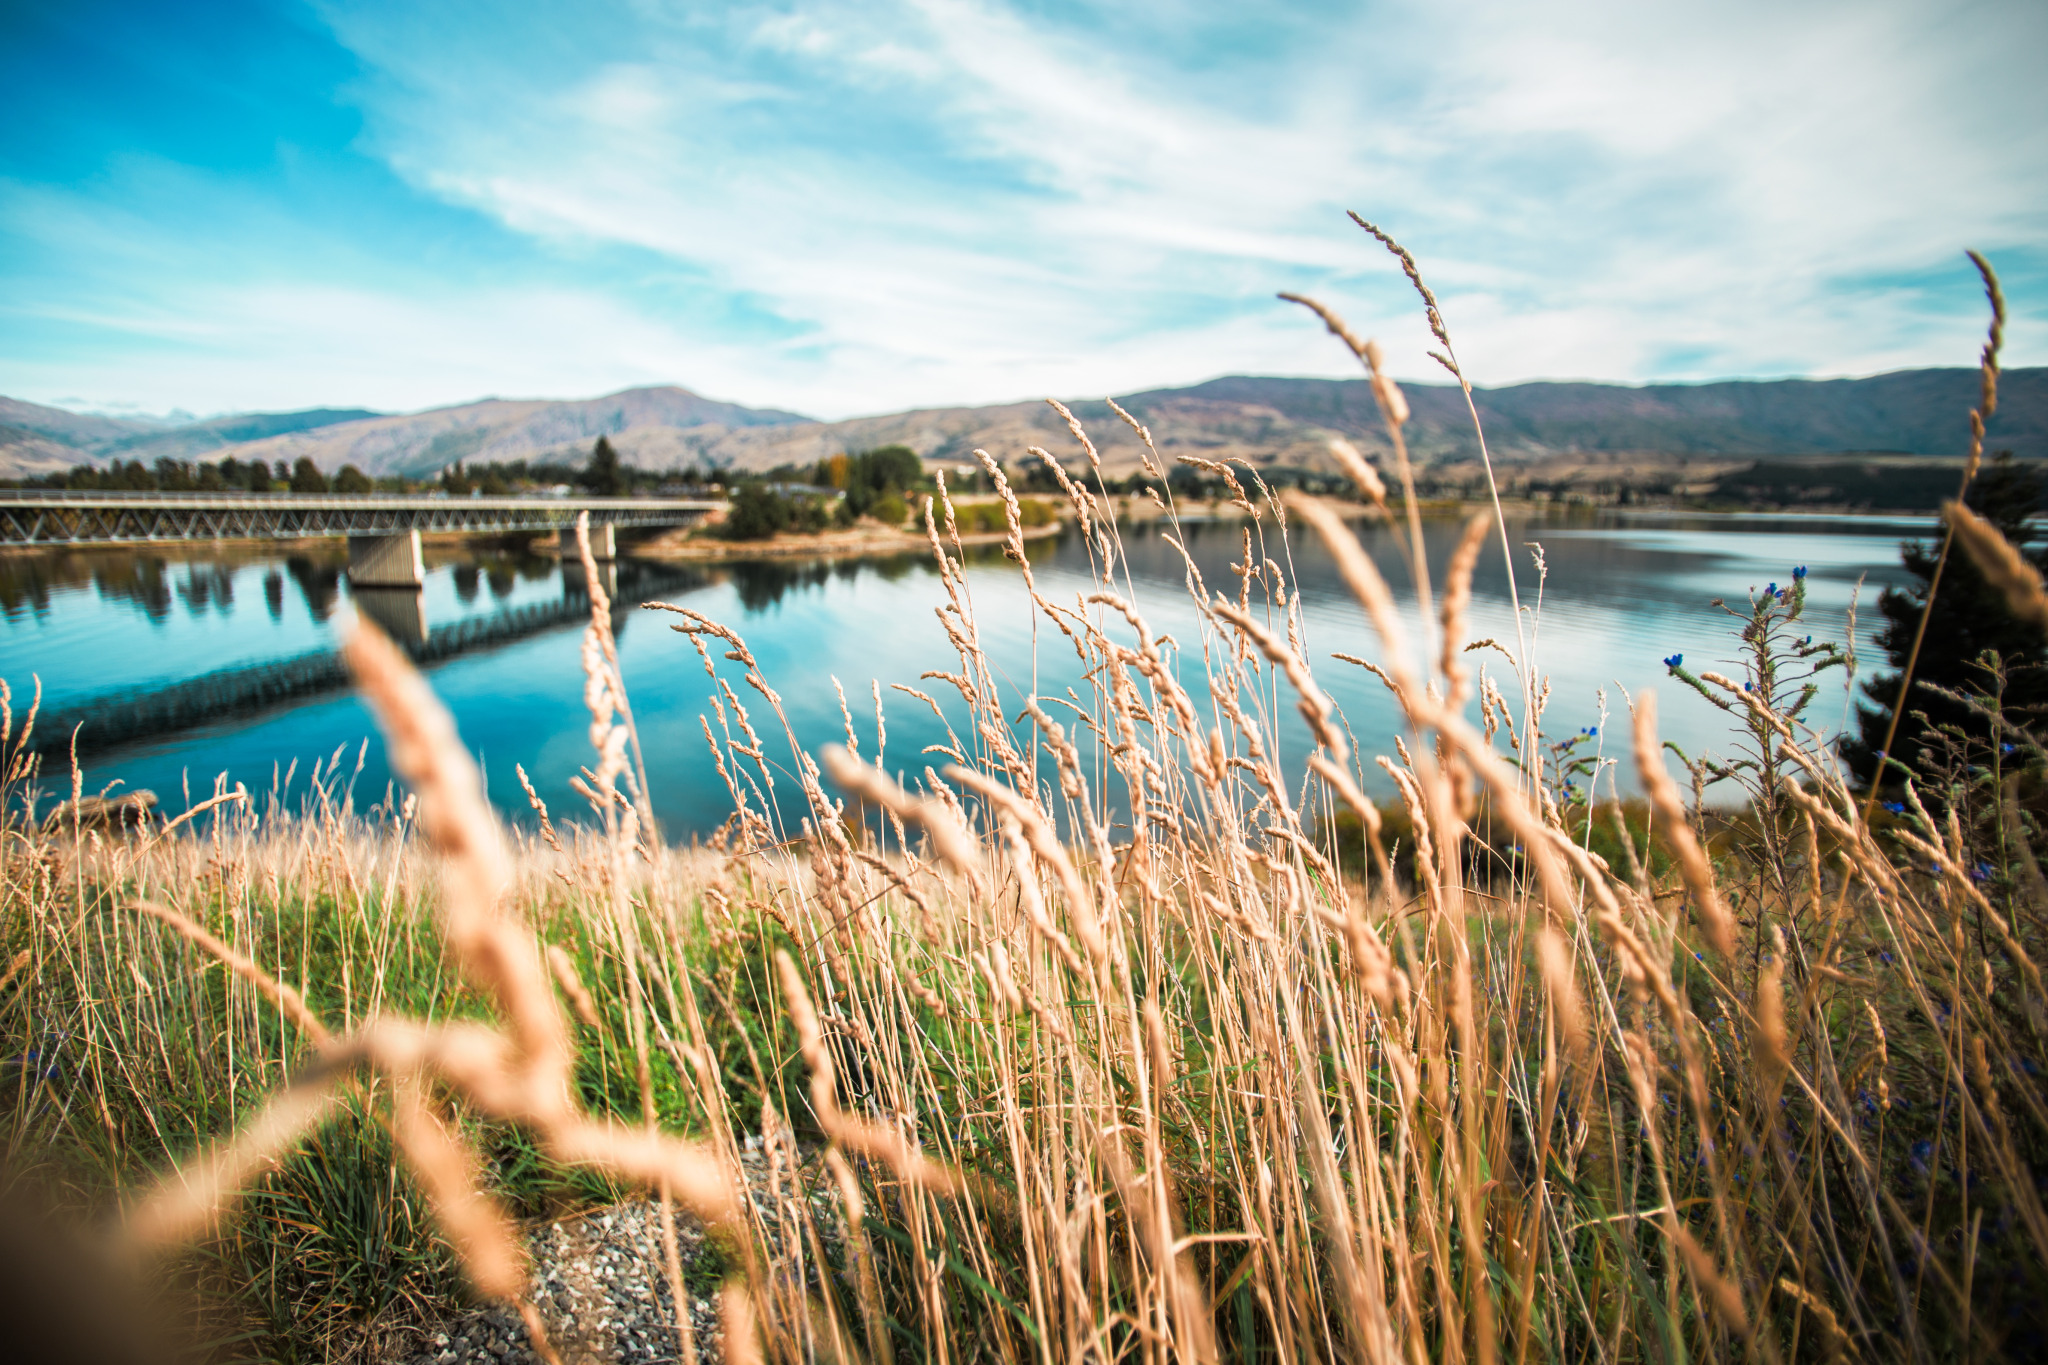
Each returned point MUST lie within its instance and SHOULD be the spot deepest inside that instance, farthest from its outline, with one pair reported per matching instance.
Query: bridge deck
(35, 517)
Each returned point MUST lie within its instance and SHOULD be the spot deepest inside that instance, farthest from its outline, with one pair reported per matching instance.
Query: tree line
(604, 474)
(226, 475)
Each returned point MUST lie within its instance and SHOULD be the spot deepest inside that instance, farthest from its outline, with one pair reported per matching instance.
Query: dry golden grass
(1100, 1057)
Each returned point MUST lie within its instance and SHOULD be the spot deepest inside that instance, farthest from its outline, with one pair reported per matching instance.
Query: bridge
(383, 530)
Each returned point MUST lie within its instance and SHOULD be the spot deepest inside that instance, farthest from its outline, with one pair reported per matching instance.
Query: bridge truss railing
(37, 517)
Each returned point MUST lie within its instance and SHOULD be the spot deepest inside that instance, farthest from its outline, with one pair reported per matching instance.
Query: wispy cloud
(857, 207)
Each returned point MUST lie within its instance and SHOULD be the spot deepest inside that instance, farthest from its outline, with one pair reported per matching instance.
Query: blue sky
(861, 207)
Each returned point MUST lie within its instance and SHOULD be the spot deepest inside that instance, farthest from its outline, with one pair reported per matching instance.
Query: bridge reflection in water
(129, 717)
(401, 612)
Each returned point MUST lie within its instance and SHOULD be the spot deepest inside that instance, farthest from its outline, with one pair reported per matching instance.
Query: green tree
(353, 480)
(890, 509)
(605, 475)
(873, 475)
(132, 475)
(1969, 618)
(307, 478)
(757, 513)
(257, 477)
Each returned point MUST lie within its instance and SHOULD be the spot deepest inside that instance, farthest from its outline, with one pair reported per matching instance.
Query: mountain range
(1267, 420)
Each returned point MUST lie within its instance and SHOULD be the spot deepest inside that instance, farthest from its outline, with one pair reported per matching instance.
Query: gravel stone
(601, 1286)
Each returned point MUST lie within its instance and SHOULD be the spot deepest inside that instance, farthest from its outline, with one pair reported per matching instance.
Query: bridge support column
(386, 561)
(400, 613)
(576, 583)
(604, 544)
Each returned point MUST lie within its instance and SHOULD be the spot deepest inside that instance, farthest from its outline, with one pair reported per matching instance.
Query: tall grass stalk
(1085, 1042)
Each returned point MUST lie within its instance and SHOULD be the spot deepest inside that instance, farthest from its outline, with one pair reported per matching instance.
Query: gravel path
(602, 1294)
(601, 1289)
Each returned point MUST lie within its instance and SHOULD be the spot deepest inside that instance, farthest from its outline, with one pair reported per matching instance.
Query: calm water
(97, 629)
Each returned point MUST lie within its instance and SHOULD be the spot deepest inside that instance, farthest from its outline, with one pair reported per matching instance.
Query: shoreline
(864, 542)
(877, 542)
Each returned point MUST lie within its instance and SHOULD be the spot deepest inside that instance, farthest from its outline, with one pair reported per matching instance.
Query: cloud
(845, 207)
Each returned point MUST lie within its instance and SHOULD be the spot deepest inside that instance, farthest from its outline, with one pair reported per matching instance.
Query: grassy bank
(1258, 1074)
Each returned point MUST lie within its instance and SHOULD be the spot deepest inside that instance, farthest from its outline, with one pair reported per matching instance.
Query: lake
(114, 634)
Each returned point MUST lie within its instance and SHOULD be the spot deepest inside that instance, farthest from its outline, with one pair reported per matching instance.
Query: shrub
(757, 512)
(890, 509)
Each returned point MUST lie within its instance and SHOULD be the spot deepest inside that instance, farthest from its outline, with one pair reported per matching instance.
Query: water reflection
(108, 631)
(319, 583)
(205, 586)
(431, 628)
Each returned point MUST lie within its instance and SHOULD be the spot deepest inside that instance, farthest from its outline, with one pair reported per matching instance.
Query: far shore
(873, 540)
(862, 541)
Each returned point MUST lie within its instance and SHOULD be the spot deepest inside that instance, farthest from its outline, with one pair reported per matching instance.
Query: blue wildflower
(1799, 573)
(1771, 591)
(1592, 729)
(1922, 1150)
(2008, 748)
(1674, 661)
(1895, 807)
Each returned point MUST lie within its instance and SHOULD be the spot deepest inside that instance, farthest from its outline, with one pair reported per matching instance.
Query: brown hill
(1288, 422)
(514, 429)
(1269, 421)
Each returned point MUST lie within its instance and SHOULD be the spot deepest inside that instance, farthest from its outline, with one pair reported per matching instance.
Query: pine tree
(1969, 618)
(604, 475)
(307, 478)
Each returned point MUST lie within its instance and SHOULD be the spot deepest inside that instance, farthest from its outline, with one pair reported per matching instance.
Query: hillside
(1916, 412)
(1264, 420)
(1290, 421)
(513, 429)
(38, 440)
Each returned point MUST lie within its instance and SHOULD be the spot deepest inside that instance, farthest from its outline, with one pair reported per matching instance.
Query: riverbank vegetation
(1111, 1036)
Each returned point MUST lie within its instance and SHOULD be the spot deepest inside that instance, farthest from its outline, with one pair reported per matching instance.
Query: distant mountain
(1273, 421)
(38, 440)
(511, 429)
(82, 431)
(1265, 420)
(1916, 412)
(201, 440)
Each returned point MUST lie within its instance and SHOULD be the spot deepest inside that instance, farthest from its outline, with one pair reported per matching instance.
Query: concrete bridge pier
(576, 583)
(386, 561)
(400, 613)
(604, 542)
